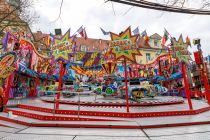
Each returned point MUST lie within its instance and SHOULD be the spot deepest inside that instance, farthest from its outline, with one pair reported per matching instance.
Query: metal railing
(69, 92)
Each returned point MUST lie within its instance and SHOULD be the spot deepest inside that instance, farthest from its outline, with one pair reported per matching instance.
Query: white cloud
(95, 13)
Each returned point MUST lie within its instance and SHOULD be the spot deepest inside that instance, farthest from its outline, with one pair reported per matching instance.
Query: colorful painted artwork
(9, 41)
(29, 45)
(6, 64)
(123, 46)
(89, 58)
(63, 47)
(109, 67)
(180, 50)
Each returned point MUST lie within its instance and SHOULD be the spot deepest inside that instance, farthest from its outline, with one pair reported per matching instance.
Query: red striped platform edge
(116, 103)
(54, 118)
(4, 125)
(116, 114)
(56, 124)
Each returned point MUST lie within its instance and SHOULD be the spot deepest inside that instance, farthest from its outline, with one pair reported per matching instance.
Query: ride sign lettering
(125, 44)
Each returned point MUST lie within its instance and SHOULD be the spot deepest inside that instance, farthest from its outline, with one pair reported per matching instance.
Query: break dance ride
(119, 88)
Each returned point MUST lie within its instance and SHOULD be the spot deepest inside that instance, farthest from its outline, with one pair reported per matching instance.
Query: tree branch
(10, 13)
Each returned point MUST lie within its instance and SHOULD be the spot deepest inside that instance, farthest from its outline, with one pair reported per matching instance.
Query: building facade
(150, 51)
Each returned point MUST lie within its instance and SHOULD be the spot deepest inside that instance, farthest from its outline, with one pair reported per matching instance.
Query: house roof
(142, 44)
(92, 44)
(156, 36)
(40, 40)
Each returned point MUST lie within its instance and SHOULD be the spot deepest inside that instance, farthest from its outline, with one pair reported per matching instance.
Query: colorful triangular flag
(188, 41)
(82, 32)
(144, 33)
(85, 34)
(80, 29)
(104, 32)
(165, 36)
(136, 31)
(145, 37)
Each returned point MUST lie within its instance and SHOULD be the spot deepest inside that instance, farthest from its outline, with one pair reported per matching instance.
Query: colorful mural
(6, 64)
(89, 58)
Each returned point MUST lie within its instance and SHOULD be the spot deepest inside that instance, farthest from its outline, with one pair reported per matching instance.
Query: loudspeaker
(58, 32)
(196, 41)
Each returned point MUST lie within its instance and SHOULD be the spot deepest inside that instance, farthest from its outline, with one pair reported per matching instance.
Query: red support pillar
(187, 90)
(206, 83)
(169, 86)
(126, 86)
(159, 67)
(37, 84)
(196, 93)
(59, 84)
(37, 78)
(46, 83)
(8, 88)
(37, 81)
(130, 73)
(171, 63)
(137, 73)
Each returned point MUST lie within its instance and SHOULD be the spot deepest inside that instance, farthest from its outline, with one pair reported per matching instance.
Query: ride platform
(38, 113)
(113, 101)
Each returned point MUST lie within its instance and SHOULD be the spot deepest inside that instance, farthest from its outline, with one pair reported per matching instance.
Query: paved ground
(201, 132)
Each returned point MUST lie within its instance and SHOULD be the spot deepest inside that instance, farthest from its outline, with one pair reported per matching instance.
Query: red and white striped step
(53, 117)
(25, 121)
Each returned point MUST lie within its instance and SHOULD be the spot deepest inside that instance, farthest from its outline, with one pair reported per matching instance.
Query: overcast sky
(94, 14)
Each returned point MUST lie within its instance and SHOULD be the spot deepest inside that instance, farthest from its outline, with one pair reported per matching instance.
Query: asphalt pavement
(196, 132)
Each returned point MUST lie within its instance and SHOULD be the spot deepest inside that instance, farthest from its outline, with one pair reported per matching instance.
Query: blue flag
(144, 33)
(104, 32)
(136, 31)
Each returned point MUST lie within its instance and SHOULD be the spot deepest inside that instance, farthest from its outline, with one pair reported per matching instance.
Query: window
(156, 43)
(83, 48)
(148, 57)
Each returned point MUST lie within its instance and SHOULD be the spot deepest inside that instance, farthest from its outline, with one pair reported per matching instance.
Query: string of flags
(166, 36)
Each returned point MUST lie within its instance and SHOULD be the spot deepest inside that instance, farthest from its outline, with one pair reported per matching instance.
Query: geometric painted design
(180, 50)
(62, 47)
(109, 67)
(89, 58)
(124, 46)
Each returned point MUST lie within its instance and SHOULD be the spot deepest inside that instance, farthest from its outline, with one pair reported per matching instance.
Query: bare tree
(16, 13)
(206, 3)
(198, 4)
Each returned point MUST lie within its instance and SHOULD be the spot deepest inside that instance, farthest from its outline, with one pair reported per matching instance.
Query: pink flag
(82, 32)
(85, 34)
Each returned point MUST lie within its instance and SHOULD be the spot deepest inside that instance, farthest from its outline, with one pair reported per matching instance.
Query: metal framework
(162, 7)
